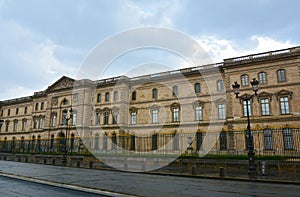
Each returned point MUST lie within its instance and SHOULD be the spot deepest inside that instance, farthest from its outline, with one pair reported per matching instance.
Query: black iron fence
(268, 142)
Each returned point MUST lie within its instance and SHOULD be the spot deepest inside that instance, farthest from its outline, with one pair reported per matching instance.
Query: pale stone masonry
(168, 103)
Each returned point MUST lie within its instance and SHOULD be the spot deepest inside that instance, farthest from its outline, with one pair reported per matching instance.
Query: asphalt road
(148, 184)
(14, 187)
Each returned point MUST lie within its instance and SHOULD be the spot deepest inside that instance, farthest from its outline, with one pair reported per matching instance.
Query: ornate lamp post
(64, 159)
(251, 153)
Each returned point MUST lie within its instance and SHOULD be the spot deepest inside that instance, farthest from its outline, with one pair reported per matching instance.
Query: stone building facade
(187, 109)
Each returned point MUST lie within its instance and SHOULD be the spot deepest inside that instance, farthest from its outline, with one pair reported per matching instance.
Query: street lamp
(67, 118)
(251, 153)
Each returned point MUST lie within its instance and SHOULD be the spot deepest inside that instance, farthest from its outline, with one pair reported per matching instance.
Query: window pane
(281, 75)
(284, 105)
(221, 110)
(198, 112)
(262, 78)
(220, 85)
(245, 81)
(245, 108)
(175, 114)
(155, 116)
(133, 117)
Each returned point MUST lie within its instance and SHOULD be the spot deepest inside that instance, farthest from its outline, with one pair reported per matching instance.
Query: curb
(65, 186)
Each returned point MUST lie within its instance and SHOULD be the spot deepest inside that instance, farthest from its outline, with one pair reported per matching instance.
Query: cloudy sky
(41, 40)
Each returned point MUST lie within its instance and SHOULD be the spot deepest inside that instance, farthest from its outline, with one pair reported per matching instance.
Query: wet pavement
(142, 184)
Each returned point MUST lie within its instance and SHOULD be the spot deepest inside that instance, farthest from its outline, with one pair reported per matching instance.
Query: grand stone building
(188, 109)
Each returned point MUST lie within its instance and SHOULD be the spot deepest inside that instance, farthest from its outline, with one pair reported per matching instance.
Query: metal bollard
(221, 171)
(193, 170)
(263, 168)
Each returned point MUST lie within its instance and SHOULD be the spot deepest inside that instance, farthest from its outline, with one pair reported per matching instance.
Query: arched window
(133, 96)
(54, 120)
(245, 80)
(15, 125)
(106, 117)
(24, 124)
(197, 88)
(116, 96)
(42, 106)
(175, 91)
(8, 112)
(281, 75)
(107, 96)
(99, 97)
(41, 123)
(36, 106)
(262, 78)
(154, 93)
(17, 111)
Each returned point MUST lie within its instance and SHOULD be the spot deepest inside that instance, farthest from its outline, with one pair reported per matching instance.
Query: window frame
(133, 96)
(288, 141)
(281, 75)
(154, 116)
(284, 105)
(175, 91)
(265, 107)
(197, 88)
(220, 85)
(107, 97)
(262, 78)
(244, 104)
(268, 139)
(154, 93)
(198, 113)
(221, 111)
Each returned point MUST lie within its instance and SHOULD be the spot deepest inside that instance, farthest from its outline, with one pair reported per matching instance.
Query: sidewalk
(141, 184)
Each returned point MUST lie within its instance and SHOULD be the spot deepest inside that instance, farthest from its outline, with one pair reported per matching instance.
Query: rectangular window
(262, 77)
(25, 110)
(245, 108)
(175, 114)
(175, 91)
(220, 85)
(155, 116)
(133, 118)
(41, 123)
(265, 107)
(116, 96)
(6, 126)
(197, 88)
(284, 105)
(245, 81)
(198, 140)
(223, 141)
(17, 111)
(154, 93)
(54, 120)
(24, 125)
(154, 141)
(74, 119)
(198, 111)
(97, 118)
(287, 138)
(115, 120)
(106, 118)
(15, 125)
(221, 111)
(268, 141)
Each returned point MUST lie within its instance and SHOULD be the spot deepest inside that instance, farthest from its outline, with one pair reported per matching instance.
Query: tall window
(64, 117)
(99, 97)
(8, 112)
(24, 124)
(223, 141)
(17, 111)
(268, 140)
(220, 85)
(197, 88)
(35, 123)
(133, 118)
(245, 80)
(265, 107)
(6, 126)
(41, 123)
(262, 78)
(107, 96)
(133, 96)
(106, 117)
(54, 120)
(281, 75)
(25, 110)
(154, 93)
(198, 113)
(42, 106)
(287, 138)
(116, 96)
(175, 90)
(132, 142)
(245, 108)
(198, 140)
(74, 119)
(1, 112)
(284, 105)
(154, 142)
(155, 116)
(15, 125)
(176, 114)
(221, 111)
(115, 117)
(36, 106)
(97, 118)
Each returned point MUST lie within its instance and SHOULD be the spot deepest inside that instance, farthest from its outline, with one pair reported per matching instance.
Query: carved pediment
(62, 83)
(284, 93)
